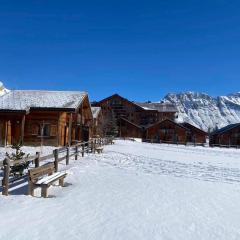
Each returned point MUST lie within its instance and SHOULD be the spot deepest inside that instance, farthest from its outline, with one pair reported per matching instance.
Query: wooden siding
(230, 137)
(167, 131)
(129, 129)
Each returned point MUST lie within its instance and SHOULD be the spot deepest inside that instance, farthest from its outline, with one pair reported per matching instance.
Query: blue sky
(140, 49)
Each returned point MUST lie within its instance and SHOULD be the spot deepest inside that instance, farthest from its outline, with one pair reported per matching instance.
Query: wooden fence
(225, 146)
(174, 142)
(58, 155)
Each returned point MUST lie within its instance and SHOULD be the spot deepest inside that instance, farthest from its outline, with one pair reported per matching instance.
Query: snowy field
(134, 191)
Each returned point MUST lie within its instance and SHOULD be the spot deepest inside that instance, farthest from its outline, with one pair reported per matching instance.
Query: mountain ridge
(205, 111)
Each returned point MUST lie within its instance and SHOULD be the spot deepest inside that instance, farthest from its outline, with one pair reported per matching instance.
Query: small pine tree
(15, 156)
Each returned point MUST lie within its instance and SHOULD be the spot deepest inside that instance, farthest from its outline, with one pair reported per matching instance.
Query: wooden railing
(58, 155)
(224, 146)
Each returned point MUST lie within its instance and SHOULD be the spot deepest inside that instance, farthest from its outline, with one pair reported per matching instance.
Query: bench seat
(49, 179)
(99, 149)
(43, 177)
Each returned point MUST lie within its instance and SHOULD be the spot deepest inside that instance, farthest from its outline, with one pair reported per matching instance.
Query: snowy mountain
(205, 111)
(3, 90)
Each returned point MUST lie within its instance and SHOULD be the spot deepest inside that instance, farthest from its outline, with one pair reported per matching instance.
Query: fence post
(36, 161)
(55, 154)
(76, 152)
(87, 147)
(67, 156)
(83, 150)
(94, 145)
(6, 172)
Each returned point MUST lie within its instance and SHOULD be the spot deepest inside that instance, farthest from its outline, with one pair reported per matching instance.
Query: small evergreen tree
(15, 156)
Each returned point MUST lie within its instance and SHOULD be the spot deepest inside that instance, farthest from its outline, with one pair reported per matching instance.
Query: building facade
(132, 114)
(227, 136)
(54, 118)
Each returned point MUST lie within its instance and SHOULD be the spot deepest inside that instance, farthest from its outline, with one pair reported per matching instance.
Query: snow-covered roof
(23, 100)
(95, 111)
(161, 107)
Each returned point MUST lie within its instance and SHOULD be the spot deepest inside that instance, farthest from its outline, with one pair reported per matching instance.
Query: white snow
(134, 191)
(204, 111)
(3, 90)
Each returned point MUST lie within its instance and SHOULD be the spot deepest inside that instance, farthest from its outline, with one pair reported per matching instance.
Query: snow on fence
(58, 155)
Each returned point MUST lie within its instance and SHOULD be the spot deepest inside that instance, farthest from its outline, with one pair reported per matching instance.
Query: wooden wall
(231, 137)
(34, 124)
(167, 131)
(128, 129)
(130, 111)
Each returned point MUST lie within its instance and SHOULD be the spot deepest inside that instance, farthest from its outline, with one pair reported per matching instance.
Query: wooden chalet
(166, 131)
(129, 129)
(226, 136)
(135, 114)
(97, 129)
(44, 117)
(195, 135)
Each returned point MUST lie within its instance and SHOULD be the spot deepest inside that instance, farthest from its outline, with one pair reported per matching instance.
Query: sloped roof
(160, 107)
(95, 111)
(134, 124)
(167, 120)
(187, 125)
(23, 100)
(226, 128)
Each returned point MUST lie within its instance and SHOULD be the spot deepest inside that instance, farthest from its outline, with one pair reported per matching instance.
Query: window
(35, 129)
(44, 130)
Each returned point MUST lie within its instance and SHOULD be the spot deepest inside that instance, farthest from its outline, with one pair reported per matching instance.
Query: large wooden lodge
(150, 121)
(133, 115)
(44, 117)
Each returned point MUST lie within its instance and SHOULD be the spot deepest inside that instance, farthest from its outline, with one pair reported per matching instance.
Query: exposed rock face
(205, 111)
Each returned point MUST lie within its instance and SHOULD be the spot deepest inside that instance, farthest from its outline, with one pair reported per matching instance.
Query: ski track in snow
(198, 170)
(134, 191)
(174, 168)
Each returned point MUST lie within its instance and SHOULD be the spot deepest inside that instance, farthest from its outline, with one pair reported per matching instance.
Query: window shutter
(35, 129)
(53, 131)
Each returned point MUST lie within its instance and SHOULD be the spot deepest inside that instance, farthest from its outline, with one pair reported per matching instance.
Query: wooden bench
(44, 177)
(99, 149)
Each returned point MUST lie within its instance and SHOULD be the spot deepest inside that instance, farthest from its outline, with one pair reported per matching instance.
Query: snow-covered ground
(134, 191)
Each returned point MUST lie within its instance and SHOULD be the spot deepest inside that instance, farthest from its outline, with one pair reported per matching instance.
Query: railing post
(55, 154)
(6, 172)
(94, 145)
(83, 150)
(87, 147)
(76, 152)
(67, 156)
(36, 161)
(91, 146)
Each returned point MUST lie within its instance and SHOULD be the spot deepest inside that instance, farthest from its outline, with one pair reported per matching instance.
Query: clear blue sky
(140, 49)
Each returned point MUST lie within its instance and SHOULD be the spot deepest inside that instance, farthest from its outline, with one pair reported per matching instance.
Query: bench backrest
(36, 173)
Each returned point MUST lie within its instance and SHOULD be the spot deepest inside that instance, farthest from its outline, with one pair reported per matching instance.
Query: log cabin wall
(42, 128)
(195, 134)
(126, 109)
(129, 129)
(167, 131)
(97, 129)
(229, 137)
(10, 128)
